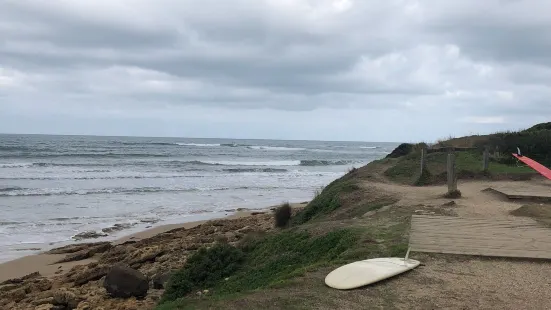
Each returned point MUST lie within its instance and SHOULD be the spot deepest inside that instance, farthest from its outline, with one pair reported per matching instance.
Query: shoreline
(44, 263)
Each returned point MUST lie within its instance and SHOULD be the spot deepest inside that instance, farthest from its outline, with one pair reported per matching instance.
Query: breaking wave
(69, 192)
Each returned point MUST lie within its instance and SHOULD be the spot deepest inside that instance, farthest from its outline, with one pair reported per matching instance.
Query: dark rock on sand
(117, 227)
(22, 279)
(73, 248)
(89, 235)
(86, 252)
(81, 275)
(124, 282)
(150, 221)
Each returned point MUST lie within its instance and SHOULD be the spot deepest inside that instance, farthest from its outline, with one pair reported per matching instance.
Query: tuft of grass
(204, 269)
(282, 215)
(326, 202)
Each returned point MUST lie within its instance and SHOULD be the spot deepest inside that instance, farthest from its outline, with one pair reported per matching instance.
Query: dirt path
(474, 201)
(468, 282)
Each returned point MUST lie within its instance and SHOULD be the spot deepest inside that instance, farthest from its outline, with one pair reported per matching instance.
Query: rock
(117, 227)
(73, 248)
(46, 307)
(146, 255)
(8, 287)
(22, 279)
(217, 223)
(17, 295)
(86, 253)
(84, 306)
(89, 235)
(89, 274)
(245, 230)
(40, 285)
(44, 301)
(159, 280)
(65, 298)
(124, 282)
(150, 221)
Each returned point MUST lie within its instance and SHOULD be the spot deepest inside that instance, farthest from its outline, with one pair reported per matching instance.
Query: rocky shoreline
(85, 286)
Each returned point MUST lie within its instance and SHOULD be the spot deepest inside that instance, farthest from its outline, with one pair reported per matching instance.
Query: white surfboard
(361, 273)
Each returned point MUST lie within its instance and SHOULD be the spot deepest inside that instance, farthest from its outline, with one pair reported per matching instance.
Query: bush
(402, 150)
(204, 269)
(282, 215)
(534, 143)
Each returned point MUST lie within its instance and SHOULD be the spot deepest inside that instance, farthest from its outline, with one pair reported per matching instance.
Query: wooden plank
(524, 194)
(522, 237)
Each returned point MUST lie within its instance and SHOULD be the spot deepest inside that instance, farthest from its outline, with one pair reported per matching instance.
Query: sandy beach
(46, 265)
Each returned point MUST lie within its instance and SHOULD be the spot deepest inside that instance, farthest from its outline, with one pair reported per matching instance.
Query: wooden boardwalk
(520, 237)
(535, 194)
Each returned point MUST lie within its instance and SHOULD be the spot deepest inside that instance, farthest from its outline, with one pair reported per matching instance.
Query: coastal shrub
(402, 150)
(534, 143)
(203, 270)
(282, 215)
(327, 201)
(275, 258)
(279, 257)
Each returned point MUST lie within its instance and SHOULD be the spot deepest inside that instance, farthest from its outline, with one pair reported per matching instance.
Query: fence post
(486, 160)
(423, 159)
(452, 178)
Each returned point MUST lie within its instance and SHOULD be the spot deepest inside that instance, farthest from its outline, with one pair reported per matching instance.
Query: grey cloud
(511, 31)
(460, 58)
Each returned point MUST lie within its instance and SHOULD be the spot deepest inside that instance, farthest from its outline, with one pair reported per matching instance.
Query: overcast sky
(393, 70)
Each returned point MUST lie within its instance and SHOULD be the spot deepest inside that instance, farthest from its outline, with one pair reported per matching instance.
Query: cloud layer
(343, 69)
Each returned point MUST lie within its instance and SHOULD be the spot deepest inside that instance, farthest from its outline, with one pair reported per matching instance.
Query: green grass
(327, 201)
(362, 209)
(275, 259)
(276, 262)
(406, 169)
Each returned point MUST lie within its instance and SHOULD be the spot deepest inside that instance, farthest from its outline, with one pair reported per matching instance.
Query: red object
(546, 172)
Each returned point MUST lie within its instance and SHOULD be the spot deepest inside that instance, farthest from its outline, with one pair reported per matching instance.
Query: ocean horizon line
(182, 137)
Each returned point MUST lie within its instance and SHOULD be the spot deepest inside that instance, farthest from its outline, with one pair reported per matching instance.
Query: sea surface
(55, 187)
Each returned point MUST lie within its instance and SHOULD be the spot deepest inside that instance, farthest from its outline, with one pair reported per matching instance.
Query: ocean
(55, 187)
